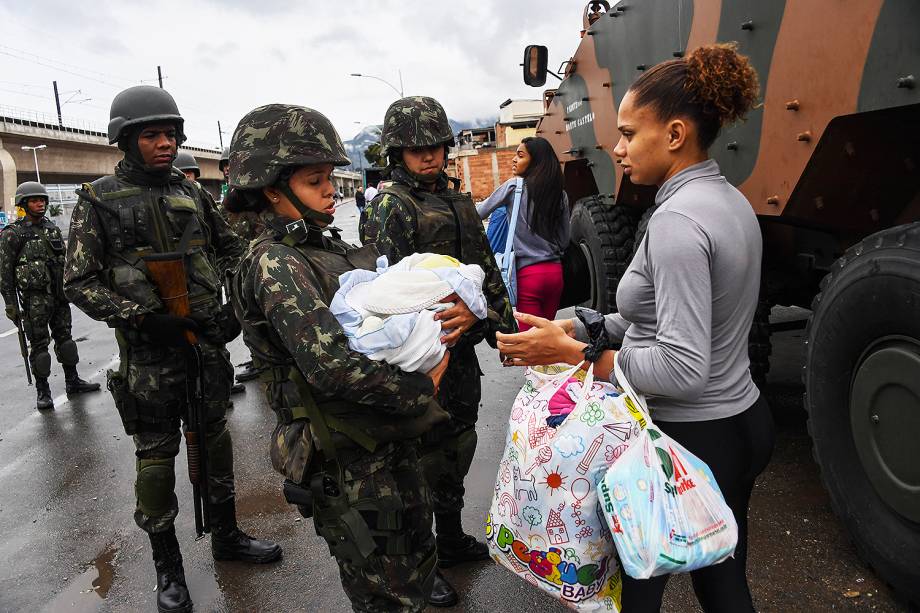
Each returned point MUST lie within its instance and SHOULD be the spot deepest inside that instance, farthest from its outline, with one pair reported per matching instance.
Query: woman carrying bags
(687, 300)
(541, 232)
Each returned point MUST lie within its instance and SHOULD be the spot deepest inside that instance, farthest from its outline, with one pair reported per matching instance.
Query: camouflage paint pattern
(775, 157)
(32, 261)
(403, 219)
(275, 136)
(415, 121)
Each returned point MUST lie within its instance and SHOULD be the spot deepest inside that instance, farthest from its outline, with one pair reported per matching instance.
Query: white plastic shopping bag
(662, 503)
(545, 523)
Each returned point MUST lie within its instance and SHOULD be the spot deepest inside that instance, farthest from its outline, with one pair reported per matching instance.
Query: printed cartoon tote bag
(545, 523)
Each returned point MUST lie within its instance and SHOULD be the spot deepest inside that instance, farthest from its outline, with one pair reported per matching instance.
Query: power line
(46, 63)
(74, 66)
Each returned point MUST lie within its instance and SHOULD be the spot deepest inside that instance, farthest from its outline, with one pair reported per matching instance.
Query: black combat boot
(76, 385)
(455, 546)
(172, 593)
(43, 390)
(228, 542)
(237, 388)
(442, 592)
(249, 373)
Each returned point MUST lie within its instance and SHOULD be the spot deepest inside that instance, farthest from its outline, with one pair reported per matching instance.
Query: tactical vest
(447, 221)
(139, 221)
(293, 399)
(40, 261)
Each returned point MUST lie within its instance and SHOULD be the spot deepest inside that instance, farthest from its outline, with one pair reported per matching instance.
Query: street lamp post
(398, 90)
(34, 151)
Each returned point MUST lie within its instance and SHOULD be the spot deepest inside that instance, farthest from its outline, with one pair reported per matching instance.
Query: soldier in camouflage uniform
(361, 483)
(140, 211)
(248, 226)
(32, 264)
(418, 211)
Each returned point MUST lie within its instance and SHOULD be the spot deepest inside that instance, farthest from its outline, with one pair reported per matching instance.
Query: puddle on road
(87, 591)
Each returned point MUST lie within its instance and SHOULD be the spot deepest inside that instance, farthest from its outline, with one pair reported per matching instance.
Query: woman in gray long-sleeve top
(687, 300)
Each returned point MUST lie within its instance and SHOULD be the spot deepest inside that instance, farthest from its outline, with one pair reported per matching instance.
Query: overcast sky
(222, 59)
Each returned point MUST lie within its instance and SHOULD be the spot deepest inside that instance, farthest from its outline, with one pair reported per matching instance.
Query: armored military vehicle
(830, 162)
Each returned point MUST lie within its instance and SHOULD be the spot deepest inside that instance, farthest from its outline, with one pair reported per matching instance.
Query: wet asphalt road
(68, 541)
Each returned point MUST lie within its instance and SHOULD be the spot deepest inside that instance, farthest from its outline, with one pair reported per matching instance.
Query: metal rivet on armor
(803, 136)
(907, 82)
(774, 200)
(732, 146)
(747, 25)
(792, 105)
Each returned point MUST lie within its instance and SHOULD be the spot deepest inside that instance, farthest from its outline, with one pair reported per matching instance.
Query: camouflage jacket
(247, 225)
(105, 275)
(281, 294)
(404, 218)
(31, 259)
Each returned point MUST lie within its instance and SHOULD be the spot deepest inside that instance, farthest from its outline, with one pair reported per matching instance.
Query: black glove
(229, 325)
(167, 329)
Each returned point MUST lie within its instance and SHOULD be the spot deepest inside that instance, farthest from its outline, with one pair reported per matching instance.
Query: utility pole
(220, 134)
(160, 76)
(57, 103)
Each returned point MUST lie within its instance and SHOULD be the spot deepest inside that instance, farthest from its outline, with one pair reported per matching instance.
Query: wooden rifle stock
(167, 270)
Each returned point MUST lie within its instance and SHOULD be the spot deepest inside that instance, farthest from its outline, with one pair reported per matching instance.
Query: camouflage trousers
(156, 378)
(447, 450)
(398, 575)
(41, 311)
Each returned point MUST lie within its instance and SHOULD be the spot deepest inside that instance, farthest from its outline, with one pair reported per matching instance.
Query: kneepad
(155, 486)
(67, 353)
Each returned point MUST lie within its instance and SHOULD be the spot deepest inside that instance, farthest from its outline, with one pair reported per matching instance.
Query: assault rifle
(167, 270)
(21, 333)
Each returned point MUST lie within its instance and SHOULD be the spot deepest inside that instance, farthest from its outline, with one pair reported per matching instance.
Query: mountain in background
(369, 135)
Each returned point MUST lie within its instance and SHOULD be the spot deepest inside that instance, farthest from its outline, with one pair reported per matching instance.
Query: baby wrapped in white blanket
(389, 314)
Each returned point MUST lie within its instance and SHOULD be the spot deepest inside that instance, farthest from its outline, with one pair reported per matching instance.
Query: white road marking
(62, 400)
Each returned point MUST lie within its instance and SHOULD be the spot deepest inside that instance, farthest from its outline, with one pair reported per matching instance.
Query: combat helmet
(415, 121)
(224, 158)
(274, 137)
(30, 189)
(186, 161)
(143, 104)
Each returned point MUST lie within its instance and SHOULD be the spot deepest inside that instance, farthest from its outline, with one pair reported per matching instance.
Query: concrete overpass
(77, 151)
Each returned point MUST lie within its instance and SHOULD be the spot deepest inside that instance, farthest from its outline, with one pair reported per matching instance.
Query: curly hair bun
(239, 200)
(723, 81)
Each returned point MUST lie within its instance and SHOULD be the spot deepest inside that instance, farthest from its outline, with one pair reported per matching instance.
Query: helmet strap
(284, 187)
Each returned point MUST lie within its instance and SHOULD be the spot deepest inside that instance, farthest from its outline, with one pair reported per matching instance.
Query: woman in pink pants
(542, 232)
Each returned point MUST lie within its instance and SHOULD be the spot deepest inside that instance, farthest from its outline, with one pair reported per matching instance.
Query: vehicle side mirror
(535, 60)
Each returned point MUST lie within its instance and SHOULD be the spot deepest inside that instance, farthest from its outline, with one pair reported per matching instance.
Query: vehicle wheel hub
(885, 421)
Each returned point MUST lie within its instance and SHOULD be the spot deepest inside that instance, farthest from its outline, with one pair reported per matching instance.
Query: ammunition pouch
(117, 384)
(298, 496)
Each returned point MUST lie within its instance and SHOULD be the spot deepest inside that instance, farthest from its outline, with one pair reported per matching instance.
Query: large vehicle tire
(862, 394)
(601, 249)
(642, 226)
(759, 346)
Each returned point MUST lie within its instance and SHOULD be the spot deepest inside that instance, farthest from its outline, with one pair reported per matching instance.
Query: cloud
(221, 59)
